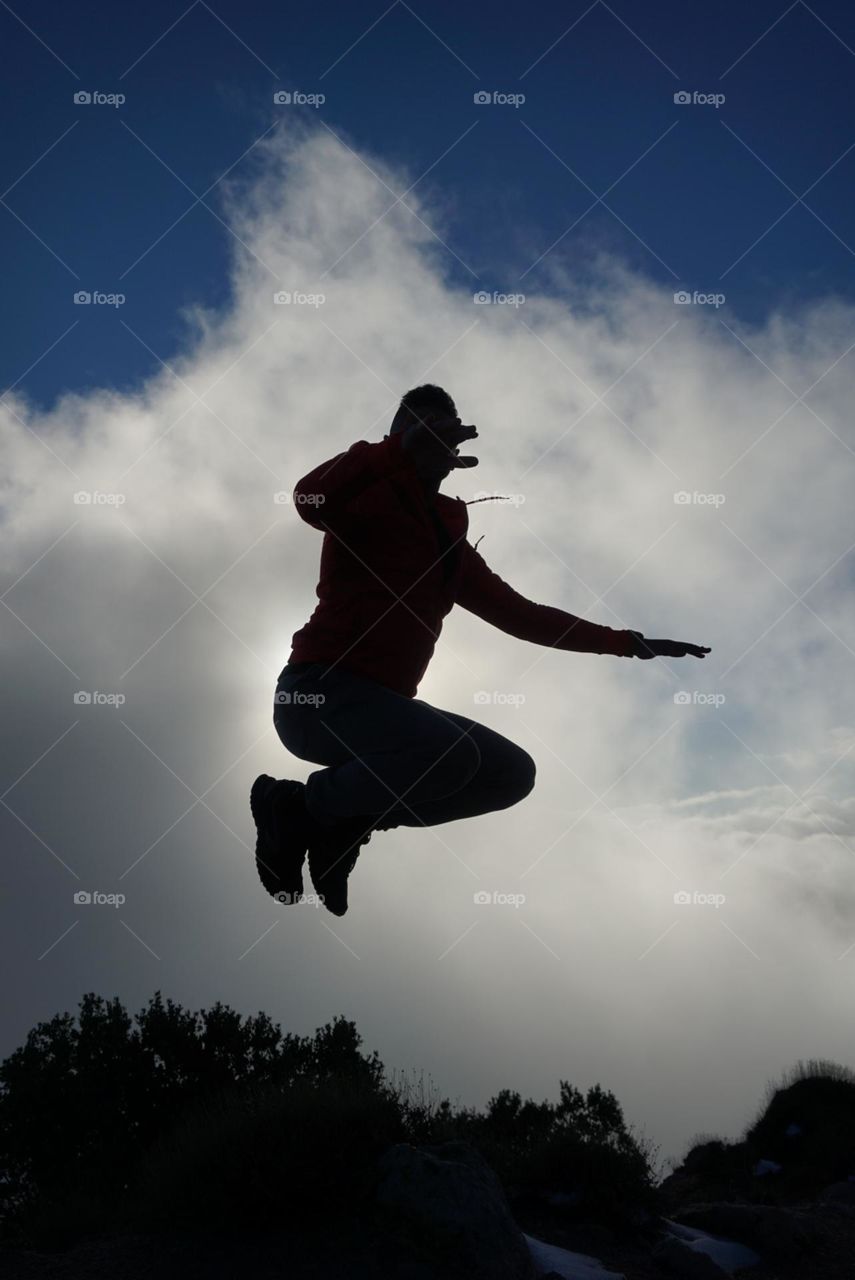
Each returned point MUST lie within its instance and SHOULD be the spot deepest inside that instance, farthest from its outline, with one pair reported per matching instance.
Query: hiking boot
(283, 834)
(333, 852)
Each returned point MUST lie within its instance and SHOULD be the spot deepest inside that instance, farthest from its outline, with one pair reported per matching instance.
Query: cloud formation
(669, 469)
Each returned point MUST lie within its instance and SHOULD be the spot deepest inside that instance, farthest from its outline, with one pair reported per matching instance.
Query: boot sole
(267, 856)
(329, 860)
(317, 877)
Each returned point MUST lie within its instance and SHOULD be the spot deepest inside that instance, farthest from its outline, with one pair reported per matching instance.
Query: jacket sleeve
(337, 488)
(484, 593)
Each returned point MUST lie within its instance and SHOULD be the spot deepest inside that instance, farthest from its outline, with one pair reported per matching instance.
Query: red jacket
(385, 585)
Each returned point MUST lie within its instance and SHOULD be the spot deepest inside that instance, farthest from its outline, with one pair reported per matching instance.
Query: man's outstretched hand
(432, 445)
(646, 648)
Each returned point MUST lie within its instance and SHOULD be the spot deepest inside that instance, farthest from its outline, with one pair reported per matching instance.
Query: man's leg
(382, 750)
(505, 776)
(397, 759)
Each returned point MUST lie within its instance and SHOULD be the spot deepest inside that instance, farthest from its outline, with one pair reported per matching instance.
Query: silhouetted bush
(172, 1119)
(807, 1125)
(266, 1156)
(578, 1149)
(82, 1100)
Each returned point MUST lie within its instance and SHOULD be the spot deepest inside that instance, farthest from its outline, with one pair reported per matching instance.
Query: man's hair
(425, 398)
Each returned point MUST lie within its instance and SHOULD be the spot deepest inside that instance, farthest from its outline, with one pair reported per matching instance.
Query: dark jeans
(393, 758)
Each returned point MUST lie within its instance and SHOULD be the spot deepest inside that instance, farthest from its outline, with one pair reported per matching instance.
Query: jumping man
(394, 560)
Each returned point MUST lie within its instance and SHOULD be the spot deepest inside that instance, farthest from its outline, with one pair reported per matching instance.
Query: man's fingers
(451, 430)
(670, 649)
(684, 650)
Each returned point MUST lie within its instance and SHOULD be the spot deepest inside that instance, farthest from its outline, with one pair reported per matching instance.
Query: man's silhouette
(395, 559)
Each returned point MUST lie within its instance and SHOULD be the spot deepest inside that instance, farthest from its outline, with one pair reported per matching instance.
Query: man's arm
(336, 488)
(485, 594)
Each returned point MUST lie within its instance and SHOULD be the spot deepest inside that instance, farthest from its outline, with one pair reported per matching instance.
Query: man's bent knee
(525, 772)
(454, 764)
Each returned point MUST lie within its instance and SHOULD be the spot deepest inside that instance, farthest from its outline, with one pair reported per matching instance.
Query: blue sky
(699, 195)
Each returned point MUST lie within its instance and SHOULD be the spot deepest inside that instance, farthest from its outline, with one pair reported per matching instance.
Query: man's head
(422, 403)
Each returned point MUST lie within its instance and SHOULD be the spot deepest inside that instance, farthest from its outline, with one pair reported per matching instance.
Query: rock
(776, 1232)
(712, 1170)
(552, 1260)
(839, 1193)
(562, 1199)
(450, 1200)
(677, 1259)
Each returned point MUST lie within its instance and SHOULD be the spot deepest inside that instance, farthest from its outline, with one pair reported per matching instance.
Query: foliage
(173, 1119)
(579, 1149)
(81, 1100)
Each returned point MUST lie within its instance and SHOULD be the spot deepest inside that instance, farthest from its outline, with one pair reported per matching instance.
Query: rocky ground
(825, 1249)
(439, 1213)
(358, 1256)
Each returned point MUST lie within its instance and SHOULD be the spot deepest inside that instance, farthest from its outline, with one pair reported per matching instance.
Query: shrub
(81, 1101)
(580, 1146)
(208, 1120)
(265, 1156)
(807, 1125)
